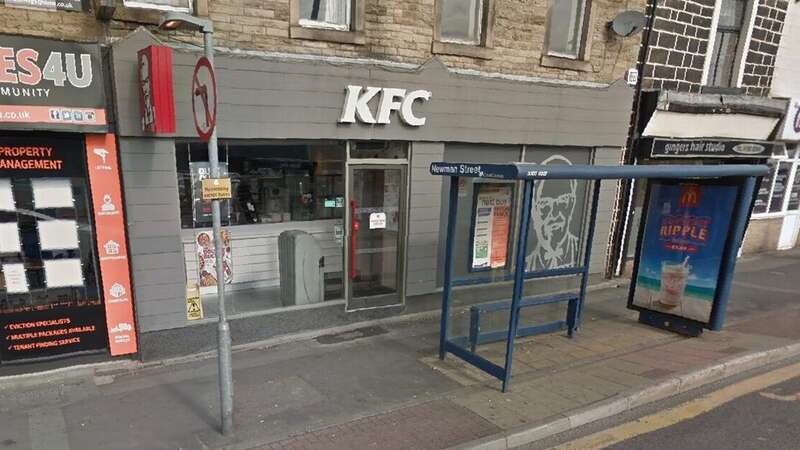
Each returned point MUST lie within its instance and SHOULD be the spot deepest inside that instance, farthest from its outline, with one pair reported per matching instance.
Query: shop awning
(732, 126)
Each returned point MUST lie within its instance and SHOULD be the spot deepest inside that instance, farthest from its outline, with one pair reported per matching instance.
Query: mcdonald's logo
(690, 195)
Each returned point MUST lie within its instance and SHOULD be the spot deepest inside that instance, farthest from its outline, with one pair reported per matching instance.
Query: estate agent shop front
(64, 276)
(334, 216)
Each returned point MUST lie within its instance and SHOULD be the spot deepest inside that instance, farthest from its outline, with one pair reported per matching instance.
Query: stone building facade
(536, 82)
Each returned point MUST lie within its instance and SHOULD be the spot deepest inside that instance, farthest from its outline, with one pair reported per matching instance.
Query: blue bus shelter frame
(529, 174)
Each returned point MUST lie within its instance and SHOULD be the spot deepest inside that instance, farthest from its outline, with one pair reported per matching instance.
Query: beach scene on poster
(685, 232)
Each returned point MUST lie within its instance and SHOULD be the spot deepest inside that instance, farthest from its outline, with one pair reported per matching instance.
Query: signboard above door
(51, 84)
(710, 148)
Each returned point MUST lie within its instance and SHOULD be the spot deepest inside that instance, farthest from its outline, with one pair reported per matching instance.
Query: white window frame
(144, 4)
(481, 29)
(320, 24)
(794, 160)
(741, 53)
(583, 34)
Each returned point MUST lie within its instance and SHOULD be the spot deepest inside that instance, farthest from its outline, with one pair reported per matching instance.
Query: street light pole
(223, 329)
(169, 21)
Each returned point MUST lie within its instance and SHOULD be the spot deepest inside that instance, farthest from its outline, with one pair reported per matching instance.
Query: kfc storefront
(334, 216)
(64, 280)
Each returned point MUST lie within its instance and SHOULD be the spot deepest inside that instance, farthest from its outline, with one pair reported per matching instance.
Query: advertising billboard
(685, 235)
(50, 84)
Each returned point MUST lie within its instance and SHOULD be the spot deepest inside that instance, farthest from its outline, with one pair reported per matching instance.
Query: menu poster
(686, 229)
(491, 223)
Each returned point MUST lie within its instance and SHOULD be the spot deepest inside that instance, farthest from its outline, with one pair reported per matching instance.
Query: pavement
(381, 385)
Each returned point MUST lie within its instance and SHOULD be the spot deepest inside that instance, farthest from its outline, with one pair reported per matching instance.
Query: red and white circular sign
(204, 98)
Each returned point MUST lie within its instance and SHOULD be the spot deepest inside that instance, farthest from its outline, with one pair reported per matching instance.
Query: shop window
(281, 194)
(727, 41)
(464, 27)
(779, 191)
(328, 20)
(270, 183)
(162, 5)
(379, 150)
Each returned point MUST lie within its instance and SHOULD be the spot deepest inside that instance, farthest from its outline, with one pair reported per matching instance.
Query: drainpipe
(618, 240)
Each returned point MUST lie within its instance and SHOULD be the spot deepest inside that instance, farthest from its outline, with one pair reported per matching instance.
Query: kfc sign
(357, 105)
(52, 82)
(156, 99)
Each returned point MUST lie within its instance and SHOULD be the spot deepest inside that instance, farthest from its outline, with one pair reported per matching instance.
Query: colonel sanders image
(551, 217)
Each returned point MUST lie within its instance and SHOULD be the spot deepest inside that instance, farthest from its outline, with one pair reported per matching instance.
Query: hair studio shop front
(334, 216)
(65, 286)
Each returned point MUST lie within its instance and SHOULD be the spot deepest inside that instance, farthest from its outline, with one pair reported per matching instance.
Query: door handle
(355, 224)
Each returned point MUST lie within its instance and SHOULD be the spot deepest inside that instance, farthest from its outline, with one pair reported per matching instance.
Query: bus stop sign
(204, 98)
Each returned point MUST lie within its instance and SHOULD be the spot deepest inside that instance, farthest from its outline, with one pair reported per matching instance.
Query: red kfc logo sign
(156, 100)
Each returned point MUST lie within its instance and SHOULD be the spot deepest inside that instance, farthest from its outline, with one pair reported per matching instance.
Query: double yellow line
(682, 412)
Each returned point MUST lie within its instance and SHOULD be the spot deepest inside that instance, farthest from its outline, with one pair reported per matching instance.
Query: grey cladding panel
(150, 184)
(280, 98)
(424, 218)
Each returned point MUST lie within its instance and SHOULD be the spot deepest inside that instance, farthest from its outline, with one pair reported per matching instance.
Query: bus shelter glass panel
(482, 261)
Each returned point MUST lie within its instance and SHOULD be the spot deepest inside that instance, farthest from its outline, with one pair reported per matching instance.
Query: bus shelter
(688, 237)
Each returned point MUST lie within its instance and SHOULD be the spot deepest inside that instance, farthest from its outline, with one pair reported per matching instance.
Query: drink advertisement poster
(206, 259)
(685, 234)
(491, 225)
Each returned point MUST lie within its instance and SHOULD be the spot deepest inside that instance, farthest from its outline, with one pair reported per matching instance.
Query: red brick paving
(433, 425)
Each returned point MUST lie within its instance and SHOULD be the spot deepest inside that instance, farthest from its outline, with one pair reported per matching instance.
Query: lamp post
(174, 21)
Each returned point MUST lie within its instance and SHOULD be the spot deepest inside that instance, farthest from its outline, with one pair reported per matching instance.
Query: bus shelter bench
(475, 311)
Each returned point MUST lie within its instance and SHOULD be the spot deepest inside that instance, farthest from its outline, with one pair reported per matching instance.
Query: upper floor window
(327, 20)
(163, 5)
(464, 28)
(333, 14)
(567, 28)
(726, 43)
(461, 21)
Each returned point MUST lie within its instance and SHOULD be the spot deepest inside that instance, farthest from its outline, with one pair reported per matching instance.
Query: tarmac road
(758, 411)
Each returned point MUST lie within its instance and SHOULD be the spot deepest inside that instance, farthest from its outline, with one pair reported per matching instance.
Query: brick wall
(763, 49)
(678, 45)
(680, 38)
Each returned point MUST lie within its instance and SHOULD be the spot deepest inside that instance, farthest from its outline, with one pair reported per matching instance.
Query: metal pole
(519, 280)
(587, 258)
(223, 330)
(448, 265)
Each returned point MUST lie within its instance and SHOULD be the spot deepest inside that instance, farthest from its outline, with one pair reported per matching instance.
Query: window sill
(566, 63)
(452, 48)
(319, 34)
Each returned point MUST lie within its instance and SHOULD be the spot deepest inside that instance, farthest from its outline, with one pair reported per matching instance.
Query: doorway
(376, 231)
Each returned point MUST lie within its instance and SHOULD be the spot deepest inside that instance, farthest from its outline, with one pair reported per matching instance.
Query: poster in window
(202, 209)
(9, 238)
(685, 235)
(491, 225)
(6, 196)
(206, 259)
(14, 279)
(794, 195)
(779, 187)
